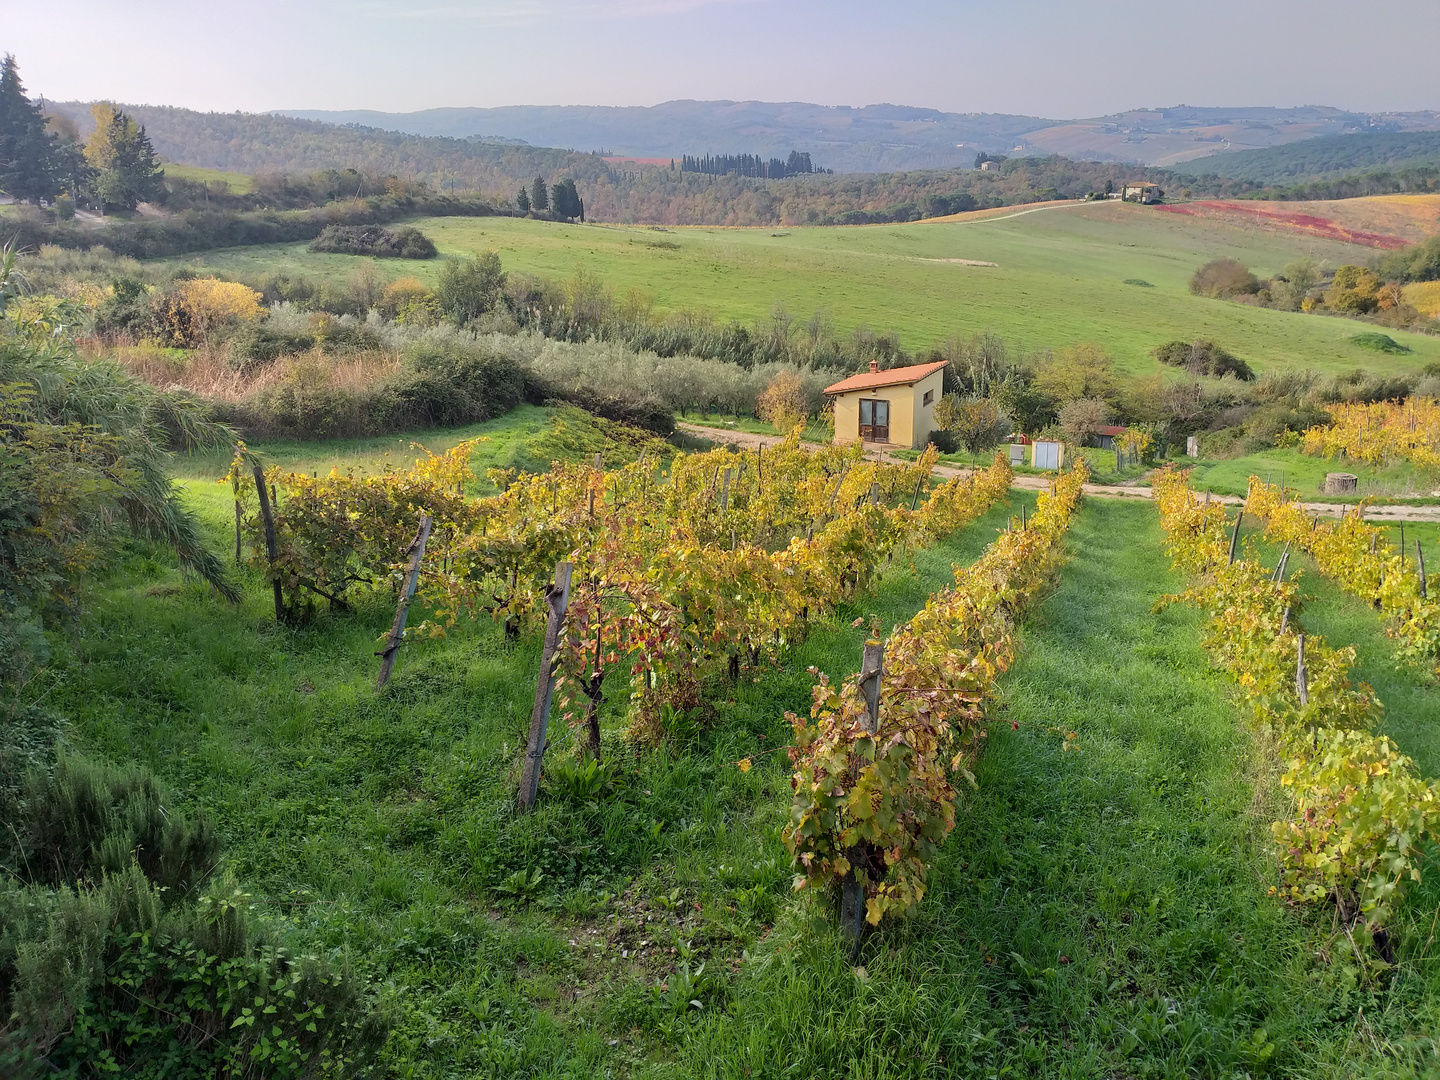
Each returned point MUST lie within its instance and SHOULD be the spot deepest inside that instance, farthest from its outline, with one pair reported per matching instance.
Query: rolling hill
(1323, 158)
(879, 138)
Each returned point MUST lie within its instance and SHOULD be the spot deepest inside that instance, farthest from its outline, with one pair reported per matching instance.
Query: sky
(1054, 58)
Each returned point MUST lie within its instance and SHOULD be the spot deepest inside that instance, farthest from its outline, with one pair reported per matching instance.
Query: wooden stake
(1420, 565)
(1284, 619)
(852, 895)
(1279, 574)
(237, 532)
(875, 493)
(416, 553)
(1235, 536)
(557, 599)
(1302, 685)
(725, 492)
(271, 548)
(915, 499)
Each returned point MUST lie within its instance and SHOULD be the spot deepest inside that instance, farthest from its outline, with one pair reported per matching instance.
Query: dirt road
(750, 441)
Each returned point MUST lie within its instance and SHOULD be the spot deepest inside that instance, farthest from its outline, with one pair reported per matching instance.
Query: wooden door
(874, 420)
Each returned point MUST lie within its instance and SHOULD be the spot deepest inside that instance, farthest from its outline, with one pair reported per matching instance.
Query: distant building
(1142, 191)
(1106, 436)
(893, 408)
(987, 166)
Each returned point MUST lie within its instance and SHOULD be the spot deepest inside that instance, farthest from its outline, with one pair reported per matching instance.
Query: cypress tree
(522, 200)
(539, 197)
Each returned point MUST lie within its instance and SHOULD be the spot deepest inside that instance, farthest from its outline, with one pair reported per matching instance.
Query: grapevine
(1359, 558)
(882, 803)
(1379, 431)
(1361, 812)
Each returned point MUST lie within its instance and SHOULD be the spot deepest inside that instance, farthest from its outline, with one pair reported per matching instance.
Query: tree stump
(1338, 483)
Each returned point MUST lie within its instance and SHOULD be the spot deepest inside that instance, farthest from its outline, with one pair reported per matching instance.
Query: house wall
(910, 421)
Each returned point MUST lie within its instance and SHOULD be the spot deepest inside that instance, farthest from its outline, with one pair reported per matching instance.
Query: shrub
(195, 309)
(258, 345)
(120, 955)
(944, 441)
(406, 243)
(784, 402)
(1223, 279)
(1203, 357)
(466, 290)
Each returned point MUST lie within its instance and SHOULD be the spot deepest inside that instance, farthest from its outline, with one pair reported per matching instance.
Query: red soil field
(1286, 220)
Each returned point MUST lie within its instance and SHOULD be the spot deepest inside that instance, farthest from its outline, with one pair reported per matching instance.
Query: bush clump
(1379, 342)
(406, 243)
(1224, 279)
(122, 952)
(1203, 357)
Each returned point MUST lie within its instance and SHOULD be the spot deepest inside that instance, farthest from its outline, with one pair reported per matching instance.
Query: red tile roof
(873, 380)
(1111, 429)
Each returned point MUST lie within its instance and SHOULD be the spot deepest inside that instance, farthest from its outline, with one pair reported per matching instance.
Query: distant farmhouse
(1141, 191)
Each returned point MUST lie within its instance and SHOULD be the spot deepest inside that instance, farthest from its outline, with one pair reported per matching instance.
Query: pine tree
(522, 200)
(539, 196)
(29, 155)
(127, 170)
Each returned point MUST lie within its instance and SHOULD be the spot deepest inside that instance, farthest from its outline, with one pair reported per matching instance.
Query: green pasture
(1061, 278)
(239, 183)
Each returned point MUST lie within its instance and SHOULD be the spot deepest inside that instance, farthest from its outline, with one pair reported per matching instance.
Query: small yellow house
(893, 408)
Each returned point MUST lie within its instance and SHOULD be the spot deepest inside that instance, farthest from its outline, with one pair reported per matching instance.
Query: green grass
(1101, 912)
(239, 183)
(1061, 278)
(384, 825)
(1306, 475)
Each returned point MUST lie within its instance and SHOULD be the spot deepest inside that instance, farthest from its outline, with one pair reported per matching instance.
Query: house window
(929, 398)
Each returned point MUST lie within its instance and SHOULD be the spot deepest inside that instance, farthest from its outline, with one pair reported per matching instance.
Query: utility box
(1017, 454)
(1048, 455)
(1192, 446)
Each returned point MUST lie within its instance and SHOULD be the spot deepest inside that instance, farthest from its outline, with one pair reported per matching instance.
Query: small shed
(1048, 454)
(894, 408)
(1141, 191)
(1106, 436)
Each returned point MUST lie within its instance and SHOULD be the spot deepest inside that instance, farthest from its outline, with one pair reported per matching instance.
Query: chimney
(874, 366)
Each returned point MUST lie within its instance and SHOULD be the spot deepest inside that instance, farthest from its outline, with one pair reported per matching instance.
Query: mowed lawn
(1060, 278)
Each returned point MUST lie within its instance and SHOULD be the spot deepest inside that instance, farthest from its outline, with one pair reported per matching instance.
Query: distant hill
(882, 138)
(1323, 158)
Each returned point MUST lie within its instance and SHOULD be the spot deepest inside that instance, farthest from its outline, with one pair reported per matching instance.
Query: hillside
(881, 138)
(613, 191)
(1322, 158)
(1058, 275)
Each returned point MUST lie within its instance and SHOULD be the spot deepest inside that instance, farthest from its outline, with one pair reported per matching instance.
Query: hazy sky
(1041, 57)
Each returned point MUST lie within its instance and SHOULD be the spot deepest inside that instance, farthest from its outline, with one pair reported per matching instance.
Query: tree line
(115, 168)
(752, 165)
(561, 199)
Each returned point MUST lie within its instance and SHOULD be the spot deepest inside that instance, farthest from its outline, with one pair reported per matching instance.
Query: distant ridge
(1323, 158)
(881, 138)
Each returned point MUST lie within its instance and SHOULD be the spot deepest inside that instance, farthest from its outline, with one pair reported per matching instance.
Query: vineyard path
(751, 440)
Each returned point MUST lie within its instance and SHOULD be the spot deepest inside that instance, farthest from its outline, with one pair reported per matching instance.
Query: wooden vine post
(557, 599)
(1235, 536)
(415, 555)
(272, 553)
(1302, 678)
(1420, 567)
(852, 895)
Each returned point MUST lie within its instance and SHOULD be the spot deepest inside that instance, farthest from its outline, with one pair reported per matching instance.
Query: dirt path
(750, 441)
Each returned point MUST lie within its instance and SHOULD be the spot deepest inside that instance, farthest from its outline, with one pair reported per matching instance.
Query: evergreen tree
(565, 200)
(29, 166)
(127, 170)
(539, 197)
(522, 200)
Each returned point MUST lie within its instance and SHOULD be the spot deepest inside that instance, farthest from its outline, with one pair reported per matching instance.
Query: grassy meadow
(1061, 277)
